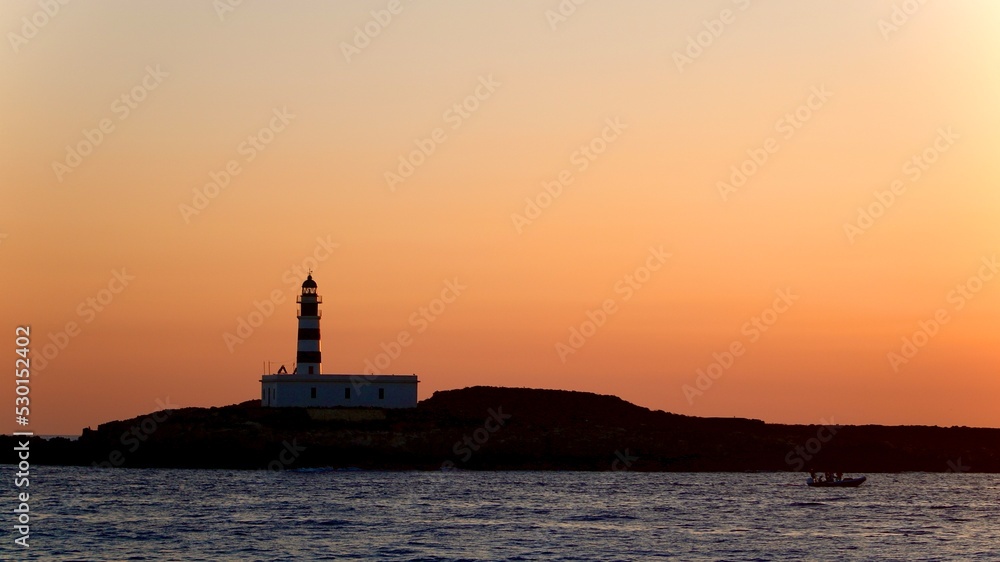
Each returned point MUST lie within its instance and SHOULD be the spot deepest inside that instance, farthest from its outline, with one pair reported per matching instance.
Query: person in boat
(840, 476)
(828, 477)
(812, 474)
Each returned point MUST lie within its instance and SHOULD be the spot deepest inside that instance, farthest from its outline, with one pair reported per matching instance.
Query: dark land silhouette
(493, 428)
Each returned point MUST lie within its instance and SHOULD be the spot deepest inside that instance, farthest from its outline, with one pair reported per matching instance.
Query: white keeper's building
(307, 387)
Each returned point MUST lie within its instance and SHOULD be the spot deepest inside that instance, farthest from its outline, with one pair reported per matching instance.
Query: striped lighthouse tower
(307, 357)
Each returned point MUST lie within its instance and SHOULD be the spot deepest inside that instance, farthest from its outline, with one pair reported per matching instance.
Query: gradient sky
(925, 87)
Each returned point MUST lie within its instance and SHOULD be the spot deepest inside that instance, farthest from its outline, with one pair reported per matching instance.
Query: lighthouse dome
(309, 283)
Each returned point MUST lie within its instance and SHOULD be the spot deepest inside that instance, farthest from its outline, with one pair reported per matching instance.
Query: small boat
(843, 483)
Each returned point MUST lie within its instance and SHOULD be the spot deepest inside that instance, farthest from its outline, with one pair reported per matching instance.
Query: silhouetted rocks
(490, 428)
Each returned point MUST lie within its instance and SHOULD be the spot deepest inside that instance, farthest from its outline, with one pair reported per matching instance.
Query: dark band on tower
(308, 358)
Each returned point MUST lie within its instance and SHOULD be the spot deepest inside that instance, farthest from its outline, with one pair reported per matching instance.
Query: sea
(79, 513)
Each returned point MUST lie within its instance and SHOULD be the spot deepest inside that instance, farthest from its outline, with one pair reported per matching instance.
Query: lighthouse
(308, 387)
(308, 357)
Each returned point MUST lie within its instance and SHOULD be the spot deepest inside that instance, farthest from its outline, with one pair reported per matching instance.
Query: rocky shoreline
(495, 428)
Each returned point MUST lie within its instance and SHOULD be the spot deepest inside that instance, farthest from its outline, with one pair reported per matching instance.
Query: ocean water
(131, 514)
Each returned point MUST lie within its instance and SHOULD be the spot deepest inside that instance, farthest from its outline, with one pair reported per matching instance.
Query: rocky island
(493, 428)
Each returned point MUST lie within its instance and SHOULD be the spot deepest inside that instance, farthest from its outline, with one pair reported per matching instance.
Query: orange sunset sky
(621, 192)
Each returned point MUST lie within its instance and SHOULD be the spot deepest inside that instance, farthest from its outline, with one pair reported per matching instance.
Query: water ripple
(94, 514)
